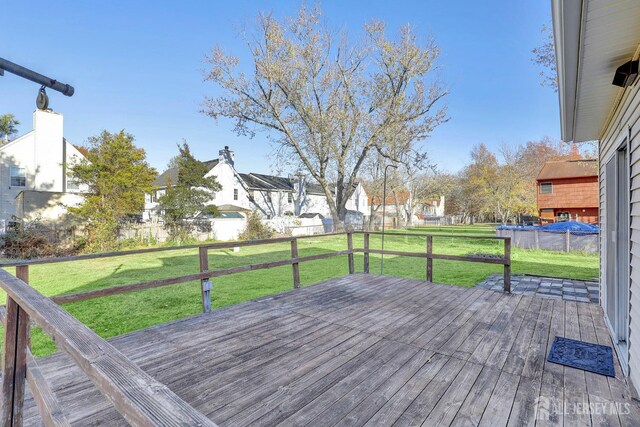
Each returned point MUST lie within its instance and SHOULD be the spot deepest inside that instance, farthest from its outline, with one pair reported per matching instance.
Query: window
(72, 184)
(289, 198)
(563, 216)
(546, 188)
(18, 177)
(153, 197)
(235, 194)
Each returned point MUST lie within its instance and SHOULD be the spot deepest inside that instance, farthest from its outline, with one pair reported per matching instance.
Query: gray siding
(626, 112)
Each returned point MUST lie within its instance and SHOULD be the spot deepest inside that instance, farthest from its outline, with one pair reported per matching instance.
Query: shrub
(32, 240)
(255, 229)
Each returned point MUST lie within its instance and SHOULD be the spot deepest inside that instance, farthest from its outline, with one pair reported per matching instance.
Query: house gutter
(567, 18)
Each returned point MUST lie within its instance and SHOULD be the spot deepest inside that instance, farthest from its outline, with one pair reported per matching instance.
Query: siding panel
(626, 113)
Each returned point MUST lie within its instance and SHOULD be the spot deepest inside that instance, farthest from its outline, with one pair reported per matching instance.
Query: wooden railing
(504, 260)
(138, 397)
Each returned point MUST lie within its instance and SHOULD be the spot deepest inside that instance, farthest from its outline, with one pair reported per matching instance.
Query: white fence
(566, 241)
(223, 229)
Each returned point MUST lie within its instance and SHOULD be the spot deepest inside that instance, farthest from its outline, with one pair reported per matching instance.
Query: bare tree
(419, 183)
(326, 102)
(545, 57)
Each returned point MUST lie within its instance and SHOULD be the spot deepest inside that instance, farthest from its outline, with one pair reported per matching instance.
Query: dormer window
(18, 176)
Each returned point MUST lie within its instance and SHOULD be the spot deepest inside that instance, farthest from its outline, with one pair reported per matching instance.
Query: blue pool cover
(572, 226)
(582, 355)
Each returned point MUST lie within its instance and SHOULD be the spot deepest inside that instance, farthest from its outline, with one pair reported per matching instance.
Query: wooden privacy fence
(138, 397)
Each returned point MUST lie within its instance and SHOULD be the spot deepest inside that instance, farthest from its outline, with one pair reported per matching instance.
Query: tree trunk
(337, 225)
(372, 216)
(409, 210)
(395, 200)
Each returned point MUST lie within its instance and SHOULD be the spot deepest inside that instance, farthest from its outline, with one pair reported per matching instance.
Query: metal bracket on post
(207, 286)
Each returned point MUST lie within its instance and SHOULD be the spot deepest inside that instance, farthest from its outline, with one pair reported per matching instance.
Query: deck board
(364, 350)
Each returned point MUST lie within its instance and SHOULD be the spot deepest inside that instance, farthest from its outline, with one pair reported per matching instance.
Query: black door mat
(582, 355)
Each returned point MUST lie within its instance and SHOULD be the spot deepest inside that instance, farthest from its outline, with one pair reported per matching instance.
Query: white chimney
(48, 151)
(226, 155)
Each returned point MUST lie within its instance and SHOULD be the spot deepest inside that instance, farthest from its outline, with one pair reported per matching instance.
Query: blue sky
(138, 65)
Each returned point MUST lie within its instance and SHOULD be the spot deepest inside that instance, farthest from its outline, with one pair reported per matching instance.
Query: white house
(33, 178)
(272, 196)
(597, 50)
(434, 207)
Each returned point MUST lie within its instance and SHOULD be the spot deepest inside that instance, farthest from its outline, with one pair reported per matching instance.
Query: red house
(568, 191)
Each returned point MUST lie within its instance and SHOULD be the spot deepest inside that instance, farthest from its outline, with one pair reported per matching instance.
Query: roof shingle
(568, 169)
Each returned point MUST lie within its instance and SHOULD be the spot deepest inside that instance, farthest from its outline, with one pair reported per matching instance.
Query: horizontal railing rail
(468, 258)
(223, 245)
(208, 274)
(439, 235)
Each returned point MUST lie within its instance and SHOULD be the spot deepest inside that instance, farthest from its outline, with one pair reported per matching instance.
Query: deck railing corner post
(507, 265)
(429, 258)
(352, 268)
(14, 361)
(295, 265)
(205, 283)
(366, 251)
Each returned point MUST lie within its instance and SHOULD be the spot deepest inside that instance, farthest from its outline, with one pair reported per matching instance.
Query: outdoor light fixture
(626, 74)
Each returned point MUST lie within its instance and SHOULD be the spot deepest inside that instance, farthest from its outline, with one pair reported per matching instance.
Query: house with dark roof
(568, 191)
(272, 196)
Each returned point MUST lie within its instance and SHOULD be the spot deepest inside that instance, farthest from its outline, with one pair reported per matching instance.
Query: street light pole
(384, 205)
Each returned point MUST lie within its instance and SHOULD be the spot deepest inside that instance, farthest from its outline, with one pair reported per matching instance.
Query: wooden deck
(366, 350)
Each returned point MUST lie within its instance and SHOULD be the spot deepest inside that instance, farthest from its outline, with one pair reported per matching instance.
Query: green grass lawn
(119, 314)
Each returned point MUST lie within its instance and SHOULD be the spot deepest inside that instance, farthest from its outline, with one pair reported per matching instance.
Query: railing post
(14, 372)
(366, 252)
(429, 258)
(295, 265)
(507, 265)
(352, 268)
(205, 284)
